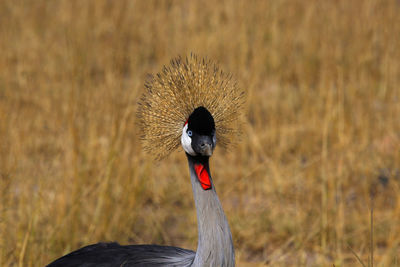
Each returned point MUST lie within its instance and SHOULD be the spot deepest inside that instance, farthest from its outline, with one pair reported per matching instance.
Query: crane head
(192, 90)
(198, 134)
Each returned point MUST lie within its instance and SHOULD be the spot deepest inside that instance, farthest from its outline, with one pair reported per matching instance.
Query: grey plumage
(215, 246)
(113, 254)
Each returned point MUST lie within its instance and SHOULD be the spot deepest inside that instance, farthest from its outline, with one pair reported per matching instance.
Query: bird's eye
(189, 133)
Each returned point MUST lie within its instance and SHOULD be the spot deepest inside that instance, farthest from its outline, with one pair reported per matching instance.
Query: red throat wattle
(203, 176)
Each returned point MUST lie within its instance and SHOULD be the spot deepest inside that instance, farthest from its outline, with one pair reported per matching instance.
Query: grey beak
(206, 150)
(203, 145)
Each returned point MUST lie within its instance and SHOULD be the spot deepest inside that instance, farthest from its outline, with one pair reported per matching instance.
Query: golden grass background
(321, 135)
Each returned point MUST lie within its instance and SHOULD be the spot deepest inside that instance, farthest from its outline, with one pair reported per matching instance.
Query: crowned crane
(192, 103)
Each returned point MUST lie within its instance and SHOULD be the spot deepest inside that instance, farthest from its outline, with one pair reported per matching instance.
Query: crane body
(215, 247)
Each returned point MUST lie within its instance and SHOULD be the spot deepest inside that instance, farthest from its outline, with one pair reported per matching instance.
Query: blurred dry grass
(322, 128)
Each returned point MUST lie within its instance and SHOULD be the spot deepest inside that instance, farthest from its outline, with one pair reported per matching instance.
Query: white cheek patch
(187, 141)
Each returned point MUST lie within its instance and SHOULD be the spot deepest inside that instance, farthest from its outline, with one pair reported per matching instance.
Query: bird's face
(198, 134)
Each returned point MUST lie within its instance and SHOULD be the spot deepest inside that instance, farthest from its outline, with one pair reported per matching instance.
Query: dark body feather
(113, 254)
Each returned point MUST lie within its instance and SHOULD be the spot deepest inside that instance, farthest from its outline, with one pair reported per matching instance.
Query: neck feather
(215, 246)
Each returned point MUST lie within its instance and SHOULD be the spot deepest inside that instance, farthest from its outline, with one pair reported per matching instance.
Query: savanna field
(320, 142)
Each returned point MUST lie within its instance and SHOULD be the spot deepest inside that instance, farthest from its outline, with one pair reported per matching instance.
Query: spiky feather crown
(173, 94)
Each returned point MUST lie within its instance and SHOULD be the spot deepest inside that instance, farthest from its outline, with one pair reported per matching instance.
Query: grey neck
(215, 246)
